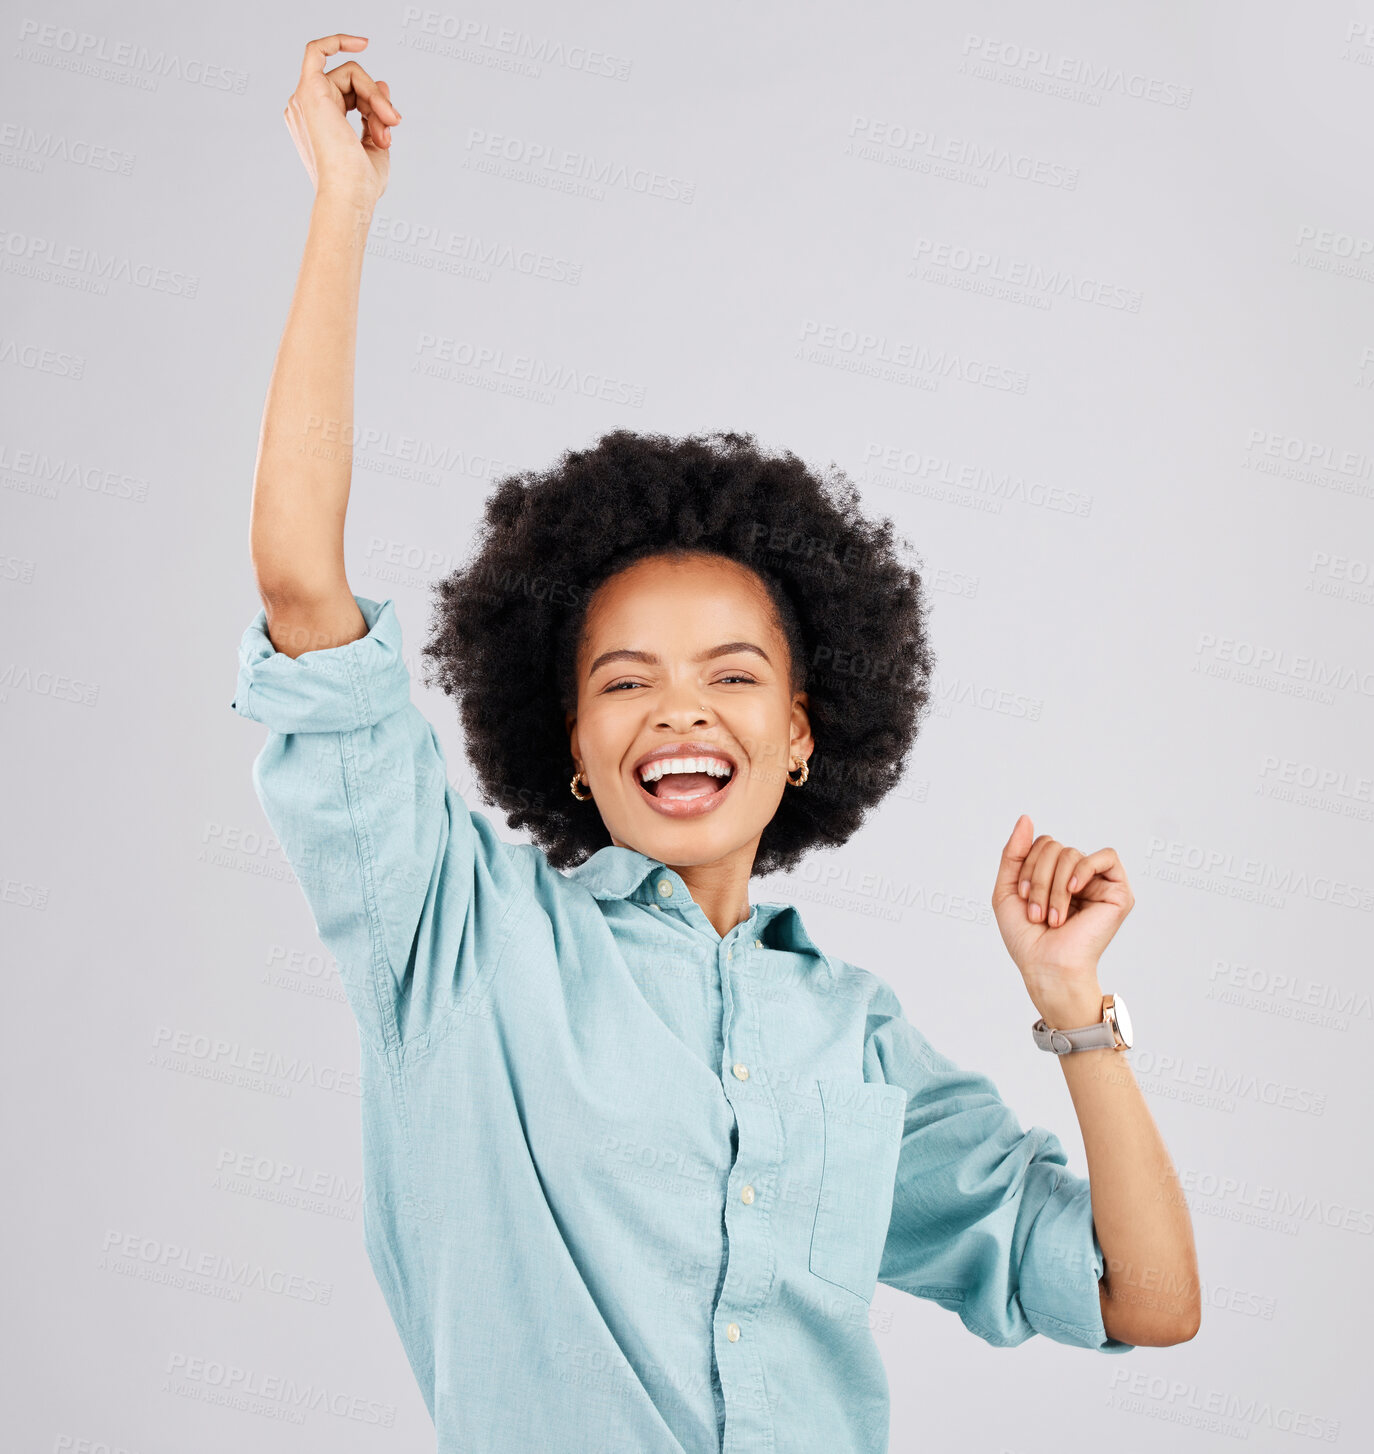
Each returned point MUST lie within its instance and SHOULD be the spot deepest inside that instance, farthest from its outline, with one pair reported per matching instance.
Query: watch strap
(1100, 1036)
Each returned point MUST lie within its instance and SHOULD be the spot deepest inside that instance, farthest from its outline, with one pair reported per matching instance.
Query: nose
(682, 719)
(680, 708)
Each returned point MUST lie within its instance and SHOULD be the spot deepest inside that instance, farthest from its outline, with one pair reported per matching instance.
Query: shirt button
(741, 1071)
(732, 1332)
(729, 954)
(747, 1195)
(664, 887)
(758, 943)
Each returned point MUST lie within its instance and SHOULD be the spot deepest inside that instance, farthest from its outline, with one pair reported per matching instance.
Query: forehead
(688, 598)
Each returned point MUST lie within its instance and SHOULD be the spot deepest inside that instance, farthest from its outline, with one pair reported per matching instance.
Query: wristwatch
(1111, 1032)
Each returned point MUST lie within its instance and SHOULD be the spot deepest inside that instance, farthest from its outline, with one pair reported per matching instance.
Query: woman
(637, 1150)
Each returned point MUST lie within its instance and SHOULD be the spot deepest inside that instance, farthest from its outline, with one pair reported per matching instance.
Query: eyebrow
(625, 654)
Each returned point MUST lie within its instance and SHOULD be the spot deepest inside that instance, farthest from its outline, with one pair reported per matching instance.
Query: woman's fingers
(1052, 875)
(1037, 873)
(1041, 874)
(360, 90)
(1102, 876)
(1064, 868)
(386, 93)
(361, 93)
(317, 115)
(319, 51)
(1050, 868)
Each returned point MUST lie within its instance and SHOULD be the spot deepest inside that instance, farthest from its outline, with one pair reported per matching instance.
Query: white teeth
(651, 772)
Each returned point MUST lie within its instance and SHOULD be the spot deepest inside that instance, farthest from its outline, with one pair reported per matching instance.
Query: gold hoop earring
(581, 797)
(805, 773)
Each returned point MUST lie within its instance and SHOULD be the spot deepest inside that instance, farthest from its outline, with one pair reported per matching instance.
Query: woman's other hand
(1057, 910)
(338, 160)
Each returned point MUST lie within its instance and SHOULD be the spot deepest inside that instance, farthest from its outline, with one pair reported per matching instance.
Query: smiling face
(683, 664)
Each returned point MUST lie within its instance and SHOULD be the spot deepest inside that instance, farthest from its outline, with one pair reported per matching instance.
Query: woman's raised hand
(317, 115)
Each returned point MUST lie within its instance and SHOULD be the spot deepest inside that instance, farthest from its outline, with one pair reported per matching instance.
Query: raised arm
(304, 465)
(413, 893)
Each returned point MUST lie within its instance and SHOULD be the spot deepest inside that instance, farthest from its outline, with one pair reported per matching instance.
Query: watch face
(1123, 1019)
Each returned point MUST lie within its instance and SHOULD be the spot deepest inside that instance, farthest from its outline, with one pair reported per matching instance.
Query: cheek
(604, 735)
(764, 732)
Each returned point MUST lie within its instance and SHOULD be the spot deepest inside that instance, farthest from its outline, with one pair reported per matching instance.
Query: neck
(720, 889)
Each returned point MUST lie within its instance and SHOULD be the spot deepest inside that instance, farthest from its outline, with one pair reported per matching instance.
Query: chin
(696, 839)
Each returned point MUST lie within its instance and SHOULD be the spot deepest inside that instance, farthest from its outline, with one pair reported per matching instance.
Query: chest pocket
(862, 1124)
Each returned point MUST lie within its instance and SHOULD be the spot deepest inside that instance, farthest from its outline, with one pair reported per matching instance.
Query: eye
(728, 677)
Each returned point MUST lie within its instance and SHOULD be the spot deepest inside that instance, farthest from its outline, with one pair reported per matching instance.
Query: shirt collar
(618, 873)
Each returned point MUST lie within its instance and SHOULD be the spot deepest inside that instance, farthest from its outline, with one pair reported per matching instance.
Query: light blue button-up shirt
(629, 1185)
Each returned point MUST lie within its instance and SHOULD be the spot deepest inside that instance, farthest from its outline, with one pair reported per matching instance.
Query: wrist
(1071, 1009)
(341, 200)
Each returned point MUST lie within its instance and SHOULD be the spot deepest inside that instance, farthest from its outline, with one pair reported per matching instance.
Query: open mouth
(684, 786)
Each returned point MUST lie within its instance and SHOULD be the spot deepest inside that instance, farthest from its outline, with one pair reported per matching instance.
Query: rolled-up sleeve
(411, 891)
(986, 1219)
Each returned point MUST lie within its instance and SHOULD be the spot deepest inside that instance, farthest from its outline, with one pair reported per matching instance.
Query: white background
(1127, 427)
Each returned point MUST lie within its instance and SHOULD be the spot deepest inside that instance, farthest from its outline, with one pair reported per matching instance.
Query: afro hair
(506, 627)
